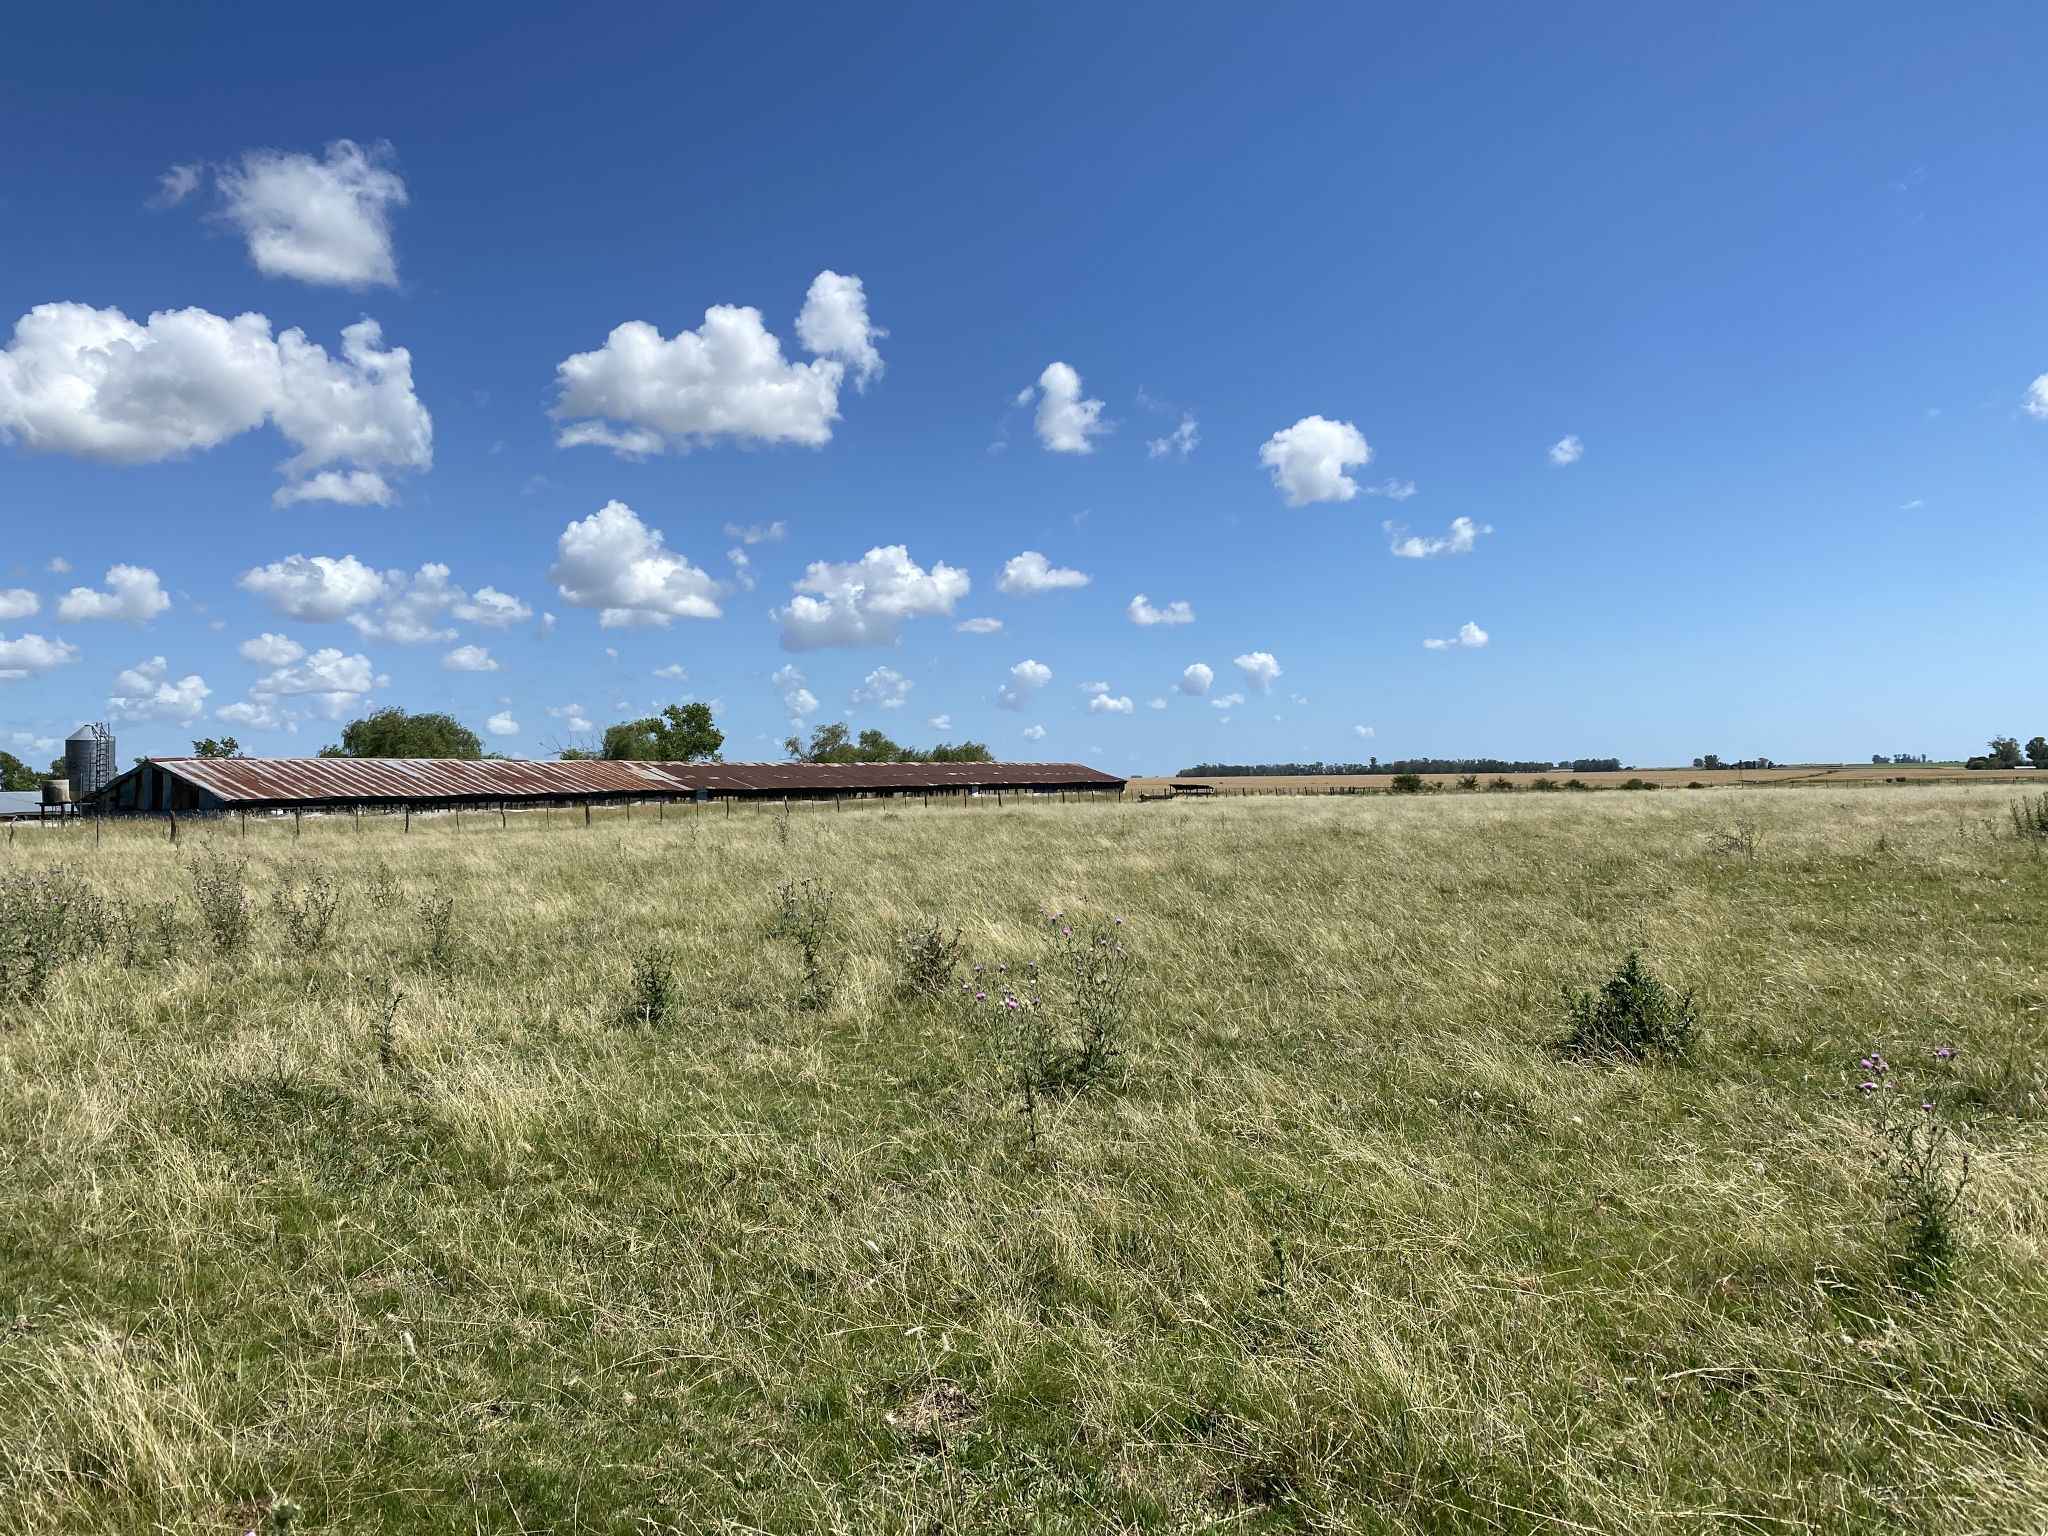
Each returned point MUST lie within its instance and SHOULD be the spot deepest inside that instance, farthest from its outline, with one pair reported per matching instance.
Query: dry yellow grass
(1349, 1246)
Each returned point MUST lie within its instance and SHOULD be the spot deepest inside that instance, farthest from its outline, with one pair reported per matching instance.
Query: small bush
(1742, 839)
(1639, 784)
(1469, 781)
(1405, 784)
(1547, 786)
(653, 998)
(929, 959)
(1579, 784)
(1633, 1015)
(1502, 786)
(218, 890)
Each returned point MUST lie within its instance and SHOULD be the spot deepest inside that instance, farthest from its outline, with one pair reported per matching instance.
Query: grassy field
(446, 1222)
(1803, 776)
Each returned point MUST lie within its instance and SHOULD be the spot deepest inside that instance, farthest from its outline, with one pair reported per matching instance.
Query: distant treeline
(1404, 765)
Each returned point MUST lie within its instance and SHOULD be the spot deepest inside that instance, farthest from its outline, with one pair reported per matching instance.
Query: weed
(436, 912)
(38, 931)
(929, 959)
(2030, 819)
(218, 891)
(306, 905)
(148, 932)
(1633, 1015)
(381, 888)
(804, 917)
(384, 1029)
(653, 996)
(1742, 838)
(1019, 1033)
(1094, 969)
(1925, 1174)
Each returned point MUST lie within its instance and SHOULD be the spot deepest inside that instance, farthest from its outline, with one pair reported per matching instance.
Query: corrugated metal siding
(308, 780)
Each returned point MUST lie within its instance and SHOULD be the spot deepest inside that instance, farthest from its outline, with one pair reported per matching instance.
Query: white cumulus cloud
(1308, 460)
(979, 626)
(757, 533)
(327, 685)
(18, 603)
(146, 691)
(1107, 704)
(488, 608)
(1393, 490)
(314, 590)
(865, 601)
(1065, 421)
(613, 562)
(133, 594)
(1567, 450)
(1226, 701)
(1468, 638)
(321, 221)
(1031, 572)
(884, 686)
(796, 698)
(469, 658)
(675, 672)
(1141, 611)
(940, 722)
(1180, 442)
(1463, 535)
(33, 654)
(1259, 669)
(1195, 680)
(1363, 732)
(1155, 703)
(1026, 678)
(641, 394)
(94, 384)
(2037, 398)
(1033, 733)
(502, 724)
(270, 650)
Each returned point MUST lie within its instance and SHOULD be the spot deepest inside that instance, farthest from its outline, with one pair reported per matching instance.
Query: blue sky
(1779, 275)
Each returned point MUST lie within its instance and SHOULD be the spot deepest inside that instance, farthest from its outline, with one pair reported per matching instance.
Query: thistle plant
(437, 925)
(1093, 968)
(929, 959)
(1922, 1168)
(306, 905)
(804, 917)
(653, 997)
(219, 893)
(1633, 1016)
(39, 931)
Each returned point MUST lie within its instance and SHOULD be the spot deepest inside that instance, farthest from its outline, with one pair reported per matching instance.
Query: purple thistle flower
(1945, 1053)
(1926, 1106)
(1865, 1087)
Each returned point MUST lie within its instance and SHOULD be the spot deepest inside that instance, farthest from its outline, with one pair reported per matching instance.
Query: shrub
(1547, 786)
(1502, 786)
(1639, 784)
(1633, 1015)
(929, 960)
(1405, 784)
(1469, 781)
(219, 892)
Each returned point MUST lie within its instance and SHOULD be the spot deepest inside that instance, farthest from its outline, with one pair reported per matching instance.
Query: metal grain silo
(89, 760)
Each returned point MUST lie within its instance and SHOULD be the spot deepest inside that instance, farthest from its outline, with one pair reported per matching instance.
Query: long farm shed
(199, 785)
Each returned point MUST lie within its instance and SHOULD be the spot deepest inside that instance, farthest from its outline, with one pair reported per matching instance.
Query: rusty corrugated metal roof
(817, 778)
(234, 779)
(275, 780)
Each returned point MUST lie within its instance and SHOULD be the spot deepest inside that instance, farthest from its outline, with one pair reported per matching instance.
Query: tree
(682, 733)
(391, 732)
(227, 746)
(831, 743)
(2037, 752)
(15, 774)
